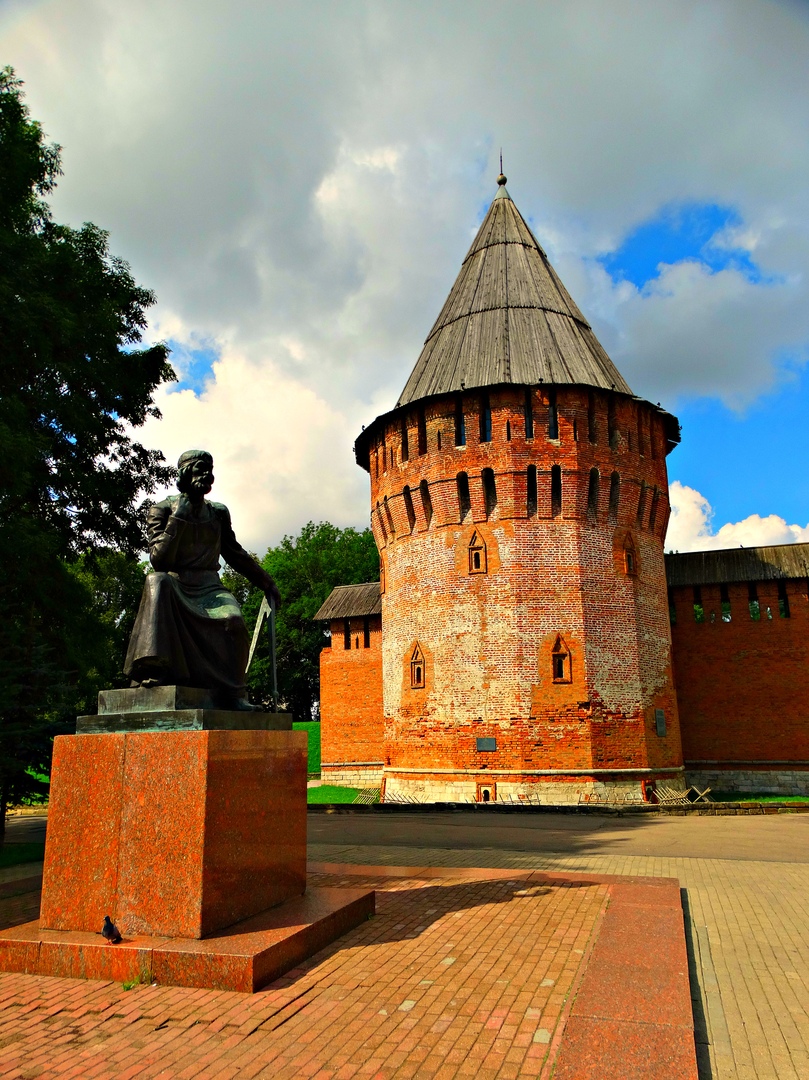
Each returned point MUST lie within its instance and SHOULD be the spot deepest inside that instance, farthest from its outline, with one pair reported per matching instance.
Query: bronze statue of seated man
(190, 630)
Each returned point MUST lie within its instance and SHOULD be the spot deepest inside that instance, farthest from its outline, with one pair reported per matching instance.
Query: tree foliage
(306, 568)
(73, 383)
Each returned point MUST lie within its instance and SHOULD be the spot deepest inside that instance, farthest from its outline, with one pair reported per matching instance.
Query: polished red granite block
(84, 826)
(245, 957)
(174, 834)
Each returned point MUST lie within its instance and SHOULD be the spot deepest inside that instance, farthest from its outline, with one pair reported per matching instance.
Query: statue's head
(195, 473)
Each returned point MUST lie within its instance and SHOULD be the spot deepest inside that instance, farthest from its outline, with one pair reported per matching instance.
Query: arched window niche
(477, 554)
(630, 557)
(561, 665)
(417, 672)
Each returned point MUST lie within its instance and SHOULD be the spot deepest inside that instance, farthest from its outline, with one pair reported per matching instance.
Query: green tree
(74, 382)
(306, 568)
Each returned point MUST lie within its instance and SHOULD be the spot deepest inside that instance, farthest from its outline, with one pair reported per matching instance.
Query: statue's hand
(273, 596)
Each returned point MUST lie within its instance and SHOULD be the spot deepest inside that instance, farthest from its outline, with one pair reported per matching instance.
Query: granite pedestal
(191, 835)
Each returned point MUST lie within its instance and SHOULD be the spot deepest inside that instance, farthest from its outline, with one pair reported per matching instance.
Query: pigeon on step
(110, 931)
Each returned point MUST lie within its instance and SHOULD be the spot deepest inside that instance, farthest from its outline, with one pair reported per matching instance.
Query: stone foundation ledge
(612, 809)
(775, 781)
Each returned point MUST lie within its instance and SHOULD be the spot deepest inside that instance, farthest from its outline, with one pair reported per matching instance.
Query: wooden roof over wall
(347, 601)
(780, 561)
(509, 319)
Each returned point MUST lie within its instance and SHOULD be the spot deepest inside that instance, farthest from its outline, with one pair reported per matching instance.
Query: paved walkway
(746, 898)
(452, 978)
(746, 882)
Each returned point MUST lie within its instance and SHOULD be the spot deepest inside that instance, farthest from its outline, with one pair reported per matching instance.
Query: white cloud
(299, 184)
(691, 526)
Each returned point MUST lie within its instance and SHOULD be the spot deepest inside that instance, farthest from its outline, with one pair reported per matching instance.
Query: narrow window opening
(561, 669)
(384, 458)
(612, 430)
(464, 501)
(575, 431)
(508, 431)
(409, 508)
(356, 642)
(652, 439)
(556, 490)
(389, 516)
(752, 601)
(653, 511)
(615, 496)
(366, 632)
(417, 669)
(641, 506)
(531, 495)
(489, 491)
(553, 416)
(769, 612)
(405, 444)
(381, 520)
(529, 414)
(699, 610)
(477, 554)
(630, 558)
(438, 439)
(460, 423)
(422, 430)
(592, 430)
(485, 419)
(724, 602)
(382, 577)
(376, 462)
(672, 608)
(592, 496)
(347, 634)
(426, 501)
(641, 441)
(783, 600)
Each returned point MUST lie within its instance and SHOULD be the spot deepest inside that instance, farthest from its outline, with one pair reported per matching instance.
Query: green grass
(14, 854)
(312, 728)
(329, 793)
(746, 796)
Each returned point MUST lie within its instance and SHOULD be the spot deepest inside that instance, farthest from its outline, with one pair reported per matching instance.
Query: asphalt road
(770, 838)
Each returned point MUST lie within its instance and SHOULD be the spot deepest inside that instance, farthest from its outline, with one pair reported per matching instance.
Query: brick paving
(452, 978)
(747, 924)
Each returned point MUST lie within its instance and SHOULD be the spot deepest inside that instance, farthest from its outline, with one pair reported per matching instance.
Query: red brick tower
(520, 501)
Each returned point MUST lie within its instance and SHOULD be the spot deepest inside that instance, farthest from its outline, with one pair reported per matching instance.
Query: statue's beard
(201, 485)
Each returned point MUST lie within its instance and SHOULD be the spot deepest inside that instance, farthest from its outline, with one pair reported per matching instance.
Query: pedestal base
(244, 957)
(173, 833)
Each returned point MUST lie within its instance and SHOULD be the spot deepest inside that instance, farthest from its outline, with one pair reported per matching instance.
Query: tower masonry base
(552, 790)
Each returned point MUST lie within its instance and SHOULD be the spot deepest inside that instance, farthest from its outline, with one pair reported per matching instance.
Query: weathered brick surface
(552, 579)
(742, 688)
(351, 706)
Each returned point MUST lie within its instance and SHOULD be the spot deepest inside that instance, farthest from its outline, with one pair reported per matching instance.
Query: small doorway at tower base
(486, 792)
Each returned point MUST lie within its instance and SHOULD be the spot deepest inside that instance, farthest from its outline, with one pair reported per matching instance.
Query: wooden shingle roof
(346, 601)
(738, 564)
(508, 319)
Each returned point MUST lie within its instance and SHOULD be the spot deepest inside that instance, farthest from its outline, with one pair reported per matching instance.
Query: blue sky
(744, 462)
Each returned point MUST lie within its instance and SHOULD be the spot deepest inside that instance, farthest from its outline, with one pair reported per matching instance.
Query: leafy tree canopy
(306, 568)
(74, 382)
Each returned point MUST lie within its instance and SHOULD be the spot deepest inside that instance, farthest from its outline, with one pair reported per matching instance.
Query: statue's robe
(190, 630)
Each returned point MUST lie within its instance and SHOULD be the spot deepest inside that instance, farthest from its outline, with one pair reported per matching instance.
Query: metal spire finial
(501, 180)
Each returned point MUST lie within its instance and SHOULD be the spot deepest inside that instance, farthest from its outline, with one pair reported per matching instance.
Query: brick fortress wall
(557, 646)
(351, 704)
(741, 685)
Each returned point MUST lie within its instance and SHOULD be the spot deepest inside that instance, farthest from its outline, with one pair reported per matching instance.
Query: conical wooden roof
(508, 319)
